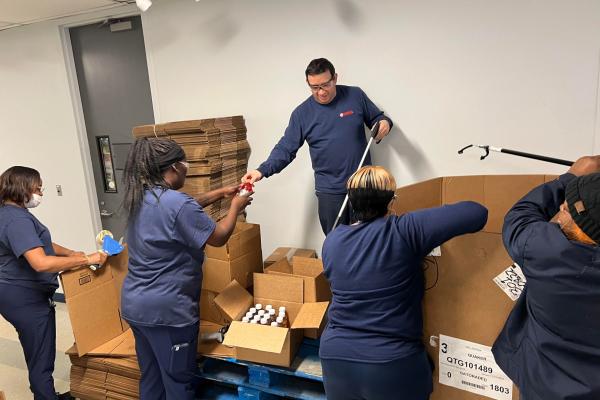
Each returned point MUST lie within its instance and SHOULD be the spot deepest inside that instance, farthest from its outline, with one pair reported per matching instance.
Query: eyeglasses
(324, 86)
(185, 164)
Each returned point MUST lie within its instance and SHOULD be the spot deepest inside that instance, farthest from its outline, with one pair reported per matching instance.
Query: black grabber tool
(488, 148)
(374, 131)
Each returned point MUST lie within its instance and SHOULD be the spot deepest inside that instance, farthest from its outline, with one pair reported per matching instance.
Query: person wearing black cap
(550, 343)
(166, 234)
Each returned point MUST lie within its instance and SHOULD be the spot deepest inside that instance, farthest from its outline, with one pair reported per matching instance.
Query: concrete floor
(13, 371)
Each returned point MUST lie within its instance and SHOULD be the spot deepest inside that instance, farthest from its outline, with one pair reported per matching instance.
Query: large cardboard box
(288, 253)
(461, 299)
(267, 344)
(238, 259)
(316, 286)
(93, 300)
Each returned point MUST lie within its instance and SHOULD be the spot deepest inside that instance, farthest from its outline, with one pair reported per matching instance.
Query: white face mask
(34, 201)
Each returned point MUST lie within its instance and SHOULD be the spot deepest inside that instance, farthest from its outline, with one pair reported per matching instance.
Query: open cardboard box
(238, 259)
(94, 300)
(316, 286)
(267, 344)
(462, 300)
(288, 253)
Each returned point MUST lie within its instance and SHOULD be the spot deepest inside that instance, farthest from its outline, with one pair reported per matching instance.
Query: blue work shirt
(376, 274)
(166, 250)
(21, 231)
(550, 343)
(335, 135)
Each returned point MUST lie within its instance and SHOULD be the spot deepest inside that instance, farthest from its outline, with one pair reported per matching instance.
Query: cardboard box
(289, 253)
(316, 286)
(209, 310)
(213, 348)
(93, 300)
(238, 259)
(462, 300)
(267, 344)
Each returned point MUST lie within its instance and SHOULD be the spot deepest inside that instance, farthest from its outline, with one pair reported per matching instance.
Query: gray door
(115, 93)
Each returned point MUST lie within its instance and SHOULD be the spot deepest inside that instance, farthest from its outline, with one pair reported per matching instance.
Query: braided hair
(147, 160)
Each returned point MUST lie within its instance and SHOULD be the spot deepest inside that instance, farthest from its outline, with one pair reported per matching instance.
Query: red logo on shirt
(346, 113)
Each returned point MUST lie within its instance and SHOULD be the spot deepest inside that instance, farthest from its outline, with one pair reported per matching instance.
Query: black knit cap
(583, 198)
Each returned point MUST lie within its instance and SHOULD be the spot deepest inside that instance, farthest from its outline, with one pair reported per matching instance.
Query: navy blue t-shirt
(376, 275)
(21, 231)
(335, 135)
(166, 250)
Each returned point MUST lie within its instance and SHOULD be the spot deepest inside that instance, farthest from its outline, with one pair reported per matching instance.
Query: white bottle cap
(249, 314)
(246, 319)
(263, 321)
(281, 309)
(261, 312)
(252, 310)
(258, 306)
(268, 307)
(275, 324)
(253, 322)
(271, 312)
(256, 318)
(279, 320)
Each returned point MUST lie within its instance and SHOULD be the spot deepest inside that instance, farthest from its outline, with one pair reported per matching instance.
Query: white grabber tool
(374, 131)
(218, 336)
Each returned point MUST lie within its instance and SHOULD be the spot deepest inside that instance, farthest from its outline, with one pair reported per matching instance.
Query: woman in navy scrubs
(372, 346)
(166, 234)
(29, 266)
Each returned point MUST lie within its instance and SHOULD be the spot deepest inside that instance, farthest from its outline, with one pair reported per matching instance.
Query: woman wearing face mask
(29, 265)
(166, 234)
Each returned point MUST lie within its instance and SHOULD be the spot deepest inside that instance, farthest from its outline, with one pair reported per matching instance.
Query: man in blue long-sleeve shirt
(332, 122)
(549, 345)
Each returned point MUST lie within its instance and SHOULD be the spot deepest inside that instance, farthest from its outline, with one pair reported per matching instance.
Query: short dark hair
(18, 183)
(318, 66)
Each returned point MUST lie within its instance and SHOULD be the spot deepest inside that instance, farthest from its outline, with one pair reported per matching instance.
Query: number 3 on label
(444, 348)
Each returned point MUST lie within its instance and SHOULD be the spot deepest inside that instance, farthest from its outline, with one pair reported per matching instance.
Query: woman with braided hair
(166, 234)
(372, 346)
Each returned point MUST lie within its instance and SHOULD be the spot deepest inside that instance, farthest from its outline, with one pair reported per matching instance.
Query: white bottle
(246, 320)
(263, 321)
(275, 324)
(256, 318)
(252, 310)
(281, 310)
(272, 313)
(253, 322)
(258, 306)
(261, 312)
(268, 307)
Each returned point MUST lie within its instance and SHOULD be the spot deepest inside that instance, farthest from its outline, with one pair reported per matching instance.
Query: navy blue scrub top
(166, 250)
(21, 231)
(376, 276)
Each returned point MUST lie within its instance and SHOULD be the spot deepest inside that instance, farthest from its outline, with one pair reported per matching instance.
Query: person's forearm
(61, 251)
(207, 199)
(223, 229)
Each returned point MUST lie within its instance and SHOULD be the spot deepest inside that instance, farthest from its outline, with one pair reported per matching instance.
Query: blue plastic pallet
(265, 382)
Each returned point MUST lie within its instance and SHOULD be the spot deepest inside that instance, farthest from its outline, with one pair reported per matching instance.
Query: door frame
(82, 137)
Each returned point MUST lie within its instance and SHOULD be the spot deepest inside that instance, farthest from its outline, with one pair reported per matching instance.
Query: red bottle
(246, 189)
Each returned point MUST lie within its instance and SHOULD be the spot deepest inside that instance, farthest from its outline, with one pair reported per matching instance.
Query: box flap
(310, 315)
(126, 347)
(309, 267)
(417, 196)
(234, 301)
(279, 287)
(256, 337)
(107, 348)
(281, 266)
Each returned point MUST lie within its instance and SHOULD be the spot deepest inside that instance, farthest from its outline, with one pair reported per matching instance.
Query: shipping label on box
(471, 366)
(511, 281)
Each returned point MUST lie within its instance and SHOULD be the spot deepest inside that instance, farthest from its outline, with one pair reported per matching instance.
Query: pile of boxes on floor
(235, 279)
(217, 152)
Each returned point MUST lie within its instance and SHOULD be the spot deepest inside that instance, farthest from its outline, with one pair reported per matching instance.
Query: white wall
(38, 128)
(518, 74)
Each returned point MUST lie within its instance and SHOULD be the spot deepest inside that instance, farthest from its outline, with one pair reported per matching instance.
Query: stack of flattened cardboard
(216, 149)
(465, 304)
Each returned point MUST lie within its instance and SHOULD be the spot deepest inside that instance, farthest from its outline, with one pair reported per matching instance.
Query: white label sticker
(511, 281)
(437, 252)
(471, 366)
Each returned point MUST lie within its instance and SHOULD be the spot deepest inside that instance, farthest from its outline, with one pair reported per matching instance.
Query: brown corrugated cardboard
(462, 300)
(288, 252)
(316, 286)
(209, 310)
(267, 344)
(217, 274)
(212, 347)
(245, 239)
(234, 301)
(93, 302)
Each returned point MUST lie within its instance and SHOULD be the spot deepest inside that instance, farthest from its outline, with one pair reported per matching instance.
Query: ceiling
(15, 13)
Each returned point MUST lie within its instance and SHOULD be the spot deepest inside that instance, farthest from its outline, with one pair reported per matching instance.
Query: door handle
(105, 213)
